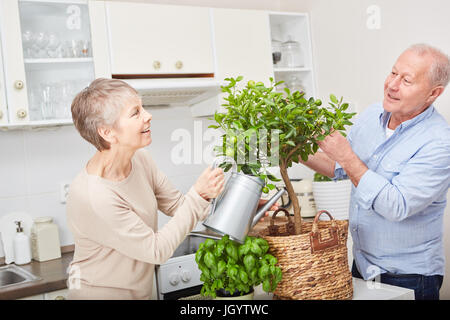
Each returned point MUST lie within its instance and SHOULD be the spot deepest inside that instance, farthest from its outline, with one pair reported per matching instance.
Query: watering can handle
(216, 162)
(221, 159)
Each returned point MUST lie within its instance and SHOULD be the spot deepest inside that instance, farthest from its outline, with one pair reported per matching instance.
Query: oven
(179, 276)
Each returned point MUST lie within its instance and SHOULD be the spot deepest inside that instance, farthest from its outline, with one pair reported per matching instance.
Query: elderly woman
(113, 202)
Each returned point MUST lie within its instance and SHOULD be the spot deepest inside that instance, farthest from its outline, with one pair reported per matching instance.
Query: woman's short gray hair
(98, 105)
(440, 68)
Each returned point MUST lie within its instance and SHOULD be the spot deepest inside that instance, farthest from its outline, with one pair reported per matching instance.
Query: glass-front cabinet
(48, 56)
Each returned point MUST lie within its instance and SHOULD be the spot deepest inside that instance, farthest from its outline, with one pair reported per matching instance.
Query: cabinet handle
(60, 298)
(179, 64)
(19, 84)
(1, 114)
(156, 65)
(21, 113)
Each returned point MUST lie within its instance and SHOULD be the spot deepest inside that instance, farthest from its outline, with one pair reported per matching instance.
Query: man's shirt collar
(385, 116)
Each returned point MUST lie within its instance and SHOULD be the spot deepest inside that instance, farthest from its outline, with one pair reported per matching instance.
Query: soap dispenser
(22, 251)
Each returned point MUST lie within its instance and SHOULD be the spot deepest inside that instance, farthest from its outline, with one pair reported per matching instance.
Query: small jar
(276, 52)
(45, 240)
(295, 84)
(292, 55)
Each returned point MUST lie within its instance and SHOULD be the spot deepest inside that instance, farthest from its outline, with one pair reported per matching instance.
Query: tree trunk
(292, 197)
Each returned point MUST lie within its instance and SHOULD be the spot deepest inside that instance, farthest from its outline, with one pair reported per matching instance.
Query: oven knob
(174, 278)
(185, 276)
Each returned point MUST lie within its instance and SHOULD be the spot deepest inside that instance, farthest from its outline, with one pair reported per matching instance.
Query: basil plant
(226, 264)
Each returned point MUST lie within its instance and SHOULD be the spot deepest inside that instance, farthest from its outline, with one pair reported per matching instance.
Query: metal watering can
(234, 212)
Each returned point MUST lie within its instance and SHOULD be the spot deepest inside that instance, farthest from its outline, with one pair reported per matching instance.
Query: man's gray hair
(440, 68)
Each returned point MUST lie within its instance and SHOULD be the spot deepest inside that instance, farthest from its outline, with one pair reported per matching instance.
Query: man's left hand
(336, 146)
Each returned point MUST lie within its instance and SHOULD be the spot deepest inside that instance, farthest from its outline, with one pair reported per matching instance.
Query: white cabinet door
(242, 48)
(35, 297)
(242, 39)
(15, 82)
(159, 39)
(3, 107)
(56, 295)
(99, 34)
(48, 57)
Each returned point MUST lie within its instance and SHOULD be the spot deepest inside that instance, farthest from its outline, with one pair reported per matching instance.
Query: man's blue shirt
(396, 212)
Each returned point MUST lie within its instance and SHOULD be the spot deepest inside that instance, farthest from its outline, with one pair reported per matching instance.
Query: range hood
(175, 91)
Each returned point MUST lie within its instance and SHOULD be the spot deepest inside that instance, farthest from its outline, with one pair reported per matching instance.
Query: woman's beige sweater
(114, 225)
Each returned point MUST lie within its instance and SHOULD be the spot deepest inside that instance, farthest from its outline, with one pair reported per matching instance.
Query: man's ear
(107, 134)
(435, 93)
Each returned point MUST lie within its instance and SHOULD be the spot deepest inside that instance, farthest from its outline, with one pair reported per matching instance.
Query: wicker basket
(314, 263)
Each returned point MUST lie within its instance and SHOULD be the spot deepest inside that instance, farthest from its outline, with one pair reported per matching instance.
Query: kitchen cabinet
(152, 39)
(56, 295)
(53, 295)
(3, 107)
(242, 41)
(242, 47)
(48, 56)
(293, 28)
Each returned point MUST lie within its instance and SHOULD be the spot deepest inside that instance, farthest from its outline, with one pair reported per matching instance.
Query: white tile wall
(33, 164)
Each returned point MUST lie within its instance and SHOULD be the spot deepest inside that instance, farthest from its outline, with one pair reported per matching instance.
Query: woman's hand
(274, 207)
(210, 183)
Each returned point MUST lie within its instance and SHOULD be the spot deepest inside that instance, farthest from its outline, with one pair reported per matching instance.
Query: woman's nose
(147, 116)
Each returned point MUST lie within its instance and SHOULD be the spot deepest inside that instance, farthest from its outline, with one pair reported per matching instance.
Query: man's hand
(337, 148)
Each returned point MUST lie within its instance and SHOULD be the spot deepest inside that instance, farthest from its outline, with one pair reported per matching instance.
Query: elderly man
(397, 156)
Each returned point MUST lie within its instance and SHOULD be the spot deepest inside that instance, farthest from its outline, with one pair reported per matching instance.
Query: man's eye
(407, 81)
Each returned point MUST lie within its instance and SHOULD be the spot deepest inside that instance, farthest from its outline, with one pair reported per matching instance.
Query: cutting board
(8, 231)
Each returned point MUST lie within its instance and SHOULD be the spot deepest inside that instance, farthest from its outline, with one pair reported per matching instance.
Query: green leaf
(273, 178)
(333, 98)
(291, 143)
(249, 262)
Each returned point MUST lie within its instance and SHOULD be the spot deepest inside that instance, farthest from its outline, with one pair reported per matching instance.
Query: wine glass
(53, 46)
(27, 42)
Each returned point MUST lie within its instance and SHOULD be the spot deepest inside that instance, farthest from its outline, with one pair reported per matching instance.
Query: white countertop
(362, 290)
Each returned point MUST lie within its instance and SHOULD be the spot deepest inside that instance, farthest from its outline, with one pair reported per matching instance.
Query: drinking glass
(47, 103)
(27, 42)
(84, 49)
(40, 45)
(54, 46)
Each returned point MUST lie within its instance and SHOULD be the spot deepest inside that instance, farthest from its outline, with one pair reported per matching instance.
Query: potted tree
(232, 270)
(265, 128)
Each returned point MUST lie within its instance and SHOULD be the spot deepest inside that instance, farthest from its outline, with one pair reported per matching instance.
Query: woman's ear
(108, 134)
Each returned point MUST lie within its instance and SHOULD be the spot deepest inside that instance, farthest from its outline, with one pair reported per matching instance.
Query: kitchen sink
(13, 275)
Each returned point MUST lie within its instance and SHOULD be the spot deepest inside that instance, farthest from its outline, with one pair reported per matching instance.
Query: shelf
(58, 60)
(282, 69)
(58, 1)
(36, 124)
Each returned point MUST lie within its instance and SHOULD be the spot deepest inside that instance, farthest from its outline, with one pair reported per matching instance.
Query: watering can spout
(267, 206)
